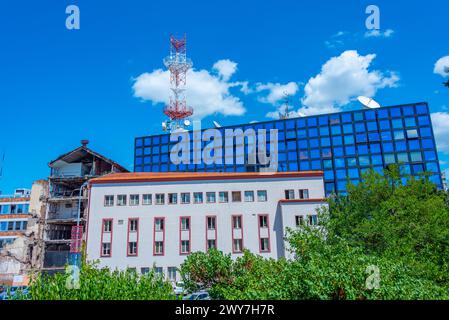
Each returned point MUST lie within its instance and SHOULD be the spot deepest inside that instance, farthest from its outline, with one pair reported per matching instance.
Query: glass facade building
(344, 145)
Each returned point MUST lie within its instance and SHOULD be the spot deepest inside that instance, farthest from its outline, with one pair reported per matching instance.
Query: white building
(142, 220)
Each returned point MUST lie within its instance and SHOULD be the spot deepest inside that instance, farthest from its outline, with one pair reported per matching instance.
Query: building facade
(146, 220)
(343, 145)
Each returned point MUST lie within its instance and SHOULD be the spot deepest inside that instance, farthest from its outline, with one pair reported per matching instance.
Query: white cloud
(276, 91)
(442, 67)
(440, 122)
(225, 68)
(206, 93)
(379, 34)
(336, 40)
(341, 80)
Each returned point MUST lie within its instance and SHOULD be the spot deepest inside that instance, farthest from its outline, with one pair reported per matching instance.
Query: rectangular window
(211, 223)
(263, 221)
(262, 195)
(172, 198)
(144, 270)
(211, 244)
(249, 196)
(108, 201)
(160, 198)
(290, 194)
(197, 197)
(185, 246)
(159, 224)
(299, 220)
(264, 245)
(159, 271)
(171, 273)
(132, 248)
(303, 193)
(237, 245)
(107, 225)
(106, 250)
(134, 200)
(313, 220)
(10, 225)
(223, 196)
(133, 225)
(185, 223)
(121, 200)
(237, 222)
(147, 199)
(236, 196)
(185, 197)
(159, 247)
(210, 197)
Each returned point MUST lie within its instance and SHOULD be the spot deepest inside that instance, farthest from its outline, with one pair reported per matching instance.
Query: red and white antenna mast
(178, 64)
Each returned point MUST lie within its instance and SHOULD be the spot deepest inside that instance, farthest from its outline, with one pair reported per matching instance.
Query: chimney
(84, 143)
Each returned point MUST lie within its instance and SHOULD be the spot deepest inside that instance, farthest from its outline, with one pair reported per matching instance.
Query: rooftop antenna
(286, 113)
(178, 64)
(368, 103)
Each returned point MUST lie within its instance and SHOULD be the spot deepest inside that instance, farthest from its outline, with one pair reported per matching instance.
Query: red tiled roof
(192, 176)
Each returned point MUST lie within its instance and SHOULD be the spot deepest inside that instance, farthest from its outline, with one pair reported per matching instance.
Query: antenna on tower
(285, 114)
(178, 64)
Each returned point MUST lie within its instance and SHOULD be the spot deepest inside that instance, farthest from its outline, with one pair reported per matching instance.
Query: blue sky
(59, 86)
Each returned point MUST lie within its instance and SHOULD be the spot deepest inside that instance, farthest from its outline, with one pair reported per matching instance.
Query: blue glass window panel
(281, 146)
(349, 139)
(424, 121)
(436, 179)
(164, 148)
(147, 168)
(341, 174)
(374, 148)
(402, 157)
(352, 162)
(156, 149)
(334, 119)
(305, 165)
(271, 126)
(302, 133)
(401, 146)
(311, 122)
(336, 130)
(291, 135)
(360, 127)
(361, 138)
(338, 152)
(347, 128)
(358, 116)
(324, 131)
(374, 136)
(330, 187)
(408, 110)
(291, 145)
(382, 113)
(413, 145)
(6, 209)
(412, 133)
(147, 151)
(139, 152)
(292, 156)
(376, 160)
(282, 156)
(326, 153)
(341, 186)
(302, 144)
(385, 125)
(242, 169)
(138, 161)
(138, 168)
(398, 135)
(404, 169)
(146, 160)
(362, 149)
(325, 142)
(389, 158)
(156, 140)
(379, 170)
(147, 141)
(314, 143)
(397, 123)
(315, 153)
(3, 226)
(370, 115)
(281, 135)
(421, 109)
(290, 124)
(327, 164)
(164, 168)
(386, 136)
(302, 155)
(155, 168)
(139, 142)
(410, 122)
(415, 156)
(350, 151)
(293, 166)
(339, 163)
(430, 155)
(155, 158)
(346, 117)
(425, 132)
(432, 167)
(372, 126)
(353, 173)
(164, 139)
(337, 141)
(279, 125)
(313, 132)
(395, 112)
(323, 120)
(301, 123)
(427, 144)
(387, 146)
(164, 158)
(316, 165)
(418, 168)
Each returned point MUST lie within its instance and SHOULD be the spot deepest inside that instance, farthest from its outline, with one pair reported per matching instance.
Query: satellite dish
(216, 124)
(368, 102)
(187, 123)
